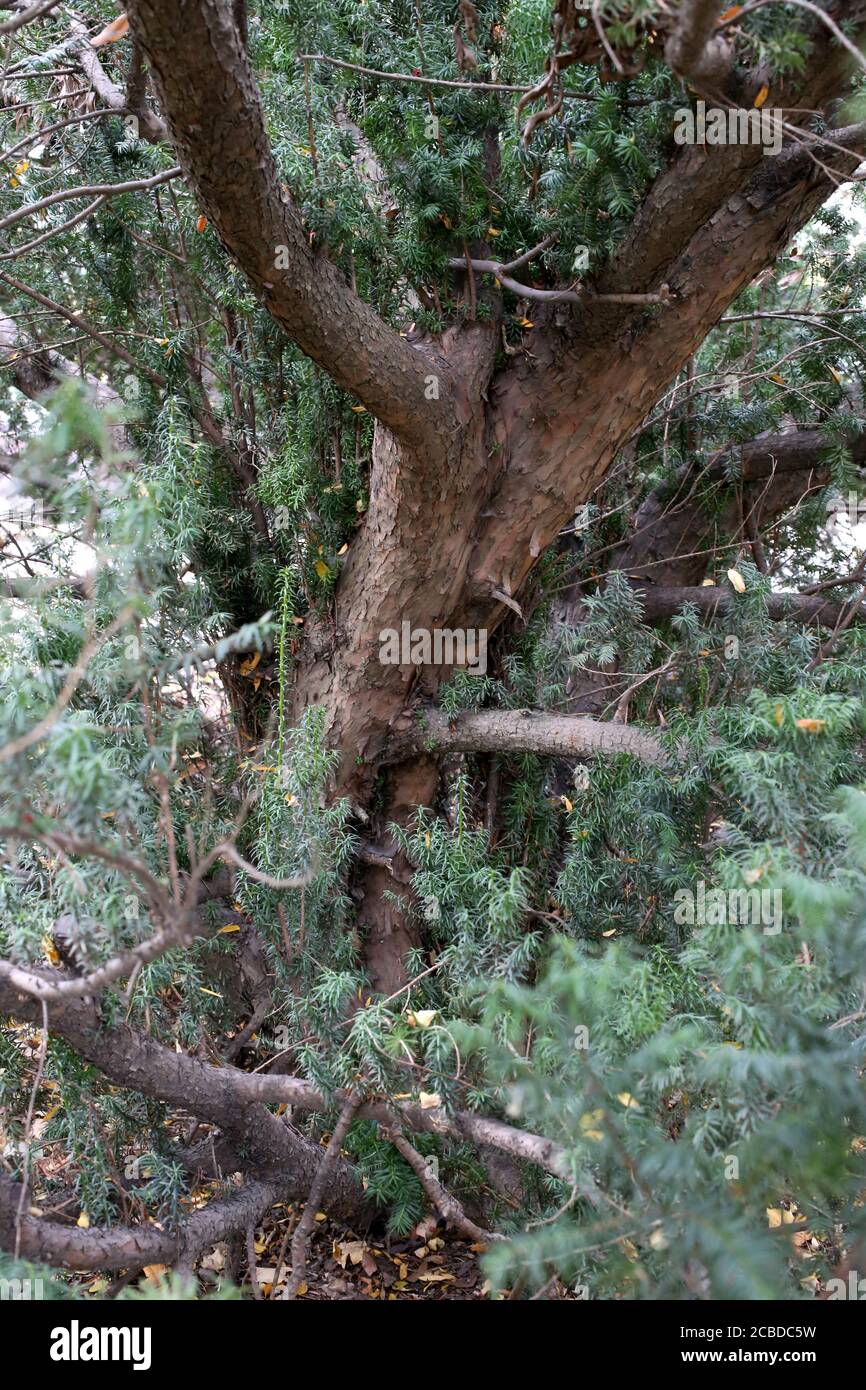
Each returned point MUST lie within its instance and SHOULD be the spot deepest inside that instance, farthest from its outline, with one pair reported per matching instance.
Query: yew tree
(321, 320)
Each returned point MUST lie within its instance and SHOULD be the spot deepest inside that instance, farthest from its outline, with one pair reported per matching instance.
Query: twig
(447, 1206)
(304, 1228)
(9, 26)
(28, 1126)
(88, 190)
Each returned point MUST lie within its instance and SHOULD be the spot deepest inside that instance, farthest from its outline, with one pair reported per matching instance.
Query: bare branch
(444, 1203)
(9, 26)
(524, 731)
(89, 190)
(304, 1229)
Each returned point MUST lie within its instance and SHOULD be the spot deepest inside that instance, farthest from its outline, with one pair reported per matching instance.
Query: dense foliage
(704, 1078)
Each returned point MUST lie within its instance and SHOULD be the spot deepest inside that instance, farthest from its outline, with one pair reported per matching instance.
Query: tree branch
(131, 1247)
(694, 50)
(304, 1228)
(661, 601)
(210, 98)
(524, 731)
(235, 1100)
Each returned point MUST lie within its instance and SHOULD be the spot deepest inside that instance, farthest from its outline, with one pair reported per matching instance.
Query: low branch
(235, 1099)
(131, 1247)
(447, 1206)
(524, 731)
(222, 1096)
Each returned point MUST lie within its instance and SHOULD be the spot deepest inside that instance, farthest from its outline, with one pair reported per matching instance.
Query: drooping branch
(525, 731)
(210, 99)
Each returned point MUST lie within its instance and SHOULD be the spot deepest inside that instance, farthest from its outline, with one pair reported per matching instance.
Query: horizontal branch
(661, 601)
(524, 731)
(567, 296)
(131, 1247)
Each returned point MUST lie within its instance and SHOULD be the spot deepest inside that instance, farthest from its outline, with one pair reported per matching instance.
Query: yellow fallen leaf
(321, 569)
(589, 1123)
(202, 990)
(321, 1216)
(112, 32)
(628, 1101)
(566, 803)
(810, 726)
(429, 1100)
(424, 1017)
(49, 950)
(232, 926)
(83, 1221)
(762, 96)
(779, 715)
(774, 1217)
(153, 1272)
(612, 932)
(737, 581)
